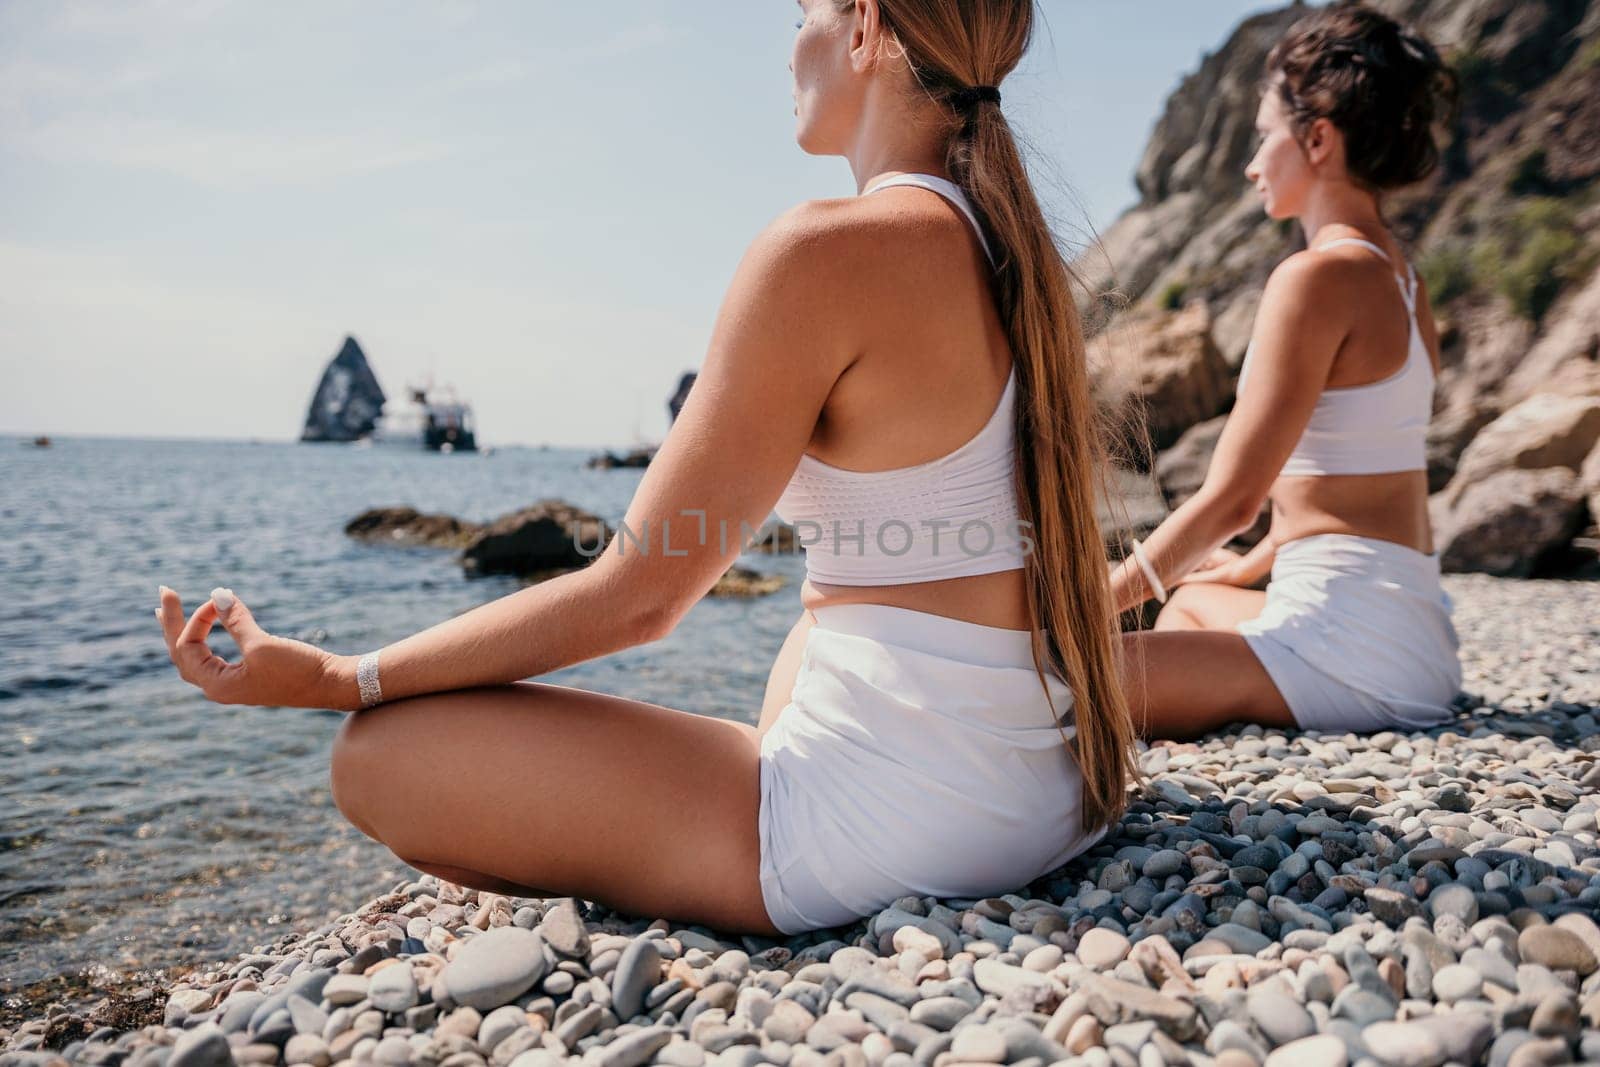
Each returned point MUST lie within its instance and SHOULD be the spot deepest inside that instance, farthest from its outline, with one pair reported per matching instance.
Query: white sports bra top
(1378, 428)
(950, 517)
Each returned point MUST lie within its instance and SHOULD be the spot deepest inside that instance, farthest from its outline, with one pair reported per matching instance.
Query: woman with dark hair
(901, 373)
(1354, 630)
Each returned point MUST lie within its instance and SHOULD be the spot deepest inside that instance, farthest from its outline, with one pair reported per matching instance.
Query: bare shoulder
(817, 229)
(1312, 288)
(906, 222)
(858, 251)
(1306, 271)
(1307, 308)
(799, 260)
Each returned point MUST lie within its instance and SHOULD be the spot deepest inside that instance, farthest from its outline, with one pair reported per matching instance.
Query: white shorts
(918, 755)
(1356, 635)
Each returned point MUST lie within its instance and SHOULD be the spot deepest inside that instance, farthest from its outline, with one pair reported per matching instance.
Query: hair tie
(969, 96)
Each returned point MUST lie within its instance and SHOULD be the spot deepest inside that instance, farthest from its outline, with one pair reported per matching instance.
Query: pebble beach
(1270, 897)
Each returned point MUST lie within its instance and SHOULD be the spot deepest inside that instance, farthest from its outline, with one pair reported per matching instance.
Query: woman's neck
(1341, 207)
(869, 175)
(895, 138)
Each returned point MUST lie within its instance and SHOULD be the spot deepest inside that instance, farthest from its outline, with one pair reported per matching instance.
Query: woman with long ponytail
(901, 375)
(1061, 462)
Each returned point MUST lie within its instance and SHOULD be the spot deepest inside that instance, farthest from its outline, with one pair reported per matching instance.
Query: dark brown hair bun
(1383, 85)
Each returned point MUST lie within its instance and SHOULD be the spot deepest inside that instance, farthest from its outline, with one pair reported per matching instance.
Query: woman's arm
(776, 350)
(1298, 331)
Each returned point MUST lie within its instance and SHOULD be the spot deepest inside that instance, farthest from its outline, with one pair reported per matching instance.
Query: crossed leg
(1193, 673)
(534, 789)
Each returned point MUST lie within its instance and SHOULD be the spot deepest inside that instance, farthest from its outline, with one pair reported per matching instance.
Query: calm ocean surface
(142, 826)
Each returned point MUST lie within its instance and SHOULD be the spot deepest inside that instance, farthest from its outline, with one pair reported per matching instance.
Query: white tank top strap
(1362, 241)
(945, 188)
(1408, 284)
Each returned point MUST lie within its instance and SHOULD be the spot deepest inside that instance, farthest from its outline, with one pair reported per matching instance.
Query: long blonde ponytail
(956, 45)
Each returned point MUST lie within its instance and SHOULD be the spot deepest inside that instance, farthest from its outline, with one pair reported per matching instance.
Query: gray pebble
(203, 1046)
(495, 967)
(637, 971)
(394, 988)
(1279, 1016)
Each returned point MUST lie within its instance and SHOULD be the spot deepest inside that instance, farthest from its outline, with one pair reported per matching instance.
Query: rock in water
(742, 581)
(348, 400)
(547, 535)
(638, 457)
(408, 526)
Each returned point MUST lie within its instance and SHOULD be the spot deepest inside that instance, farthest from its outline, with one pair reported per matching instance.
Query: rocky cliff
(348, 400)
(1506, 234)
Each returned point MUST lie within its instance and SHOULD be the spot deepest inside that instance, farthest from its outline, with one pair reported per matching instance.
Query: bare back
(1389, 507)
(932, 364)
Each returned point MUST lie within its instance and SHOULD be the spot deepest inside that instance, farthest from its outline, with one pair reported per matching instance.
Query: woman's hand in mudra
(1223, 567)
(271, 672)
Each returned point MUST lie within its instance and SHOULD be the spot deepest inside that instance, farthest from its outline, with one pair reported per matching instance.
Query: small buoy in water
(447, 447)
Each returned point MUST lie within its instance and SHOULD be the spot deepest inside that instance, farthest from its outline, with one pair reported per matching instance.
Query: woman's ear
(1322, 142)
(866, 36)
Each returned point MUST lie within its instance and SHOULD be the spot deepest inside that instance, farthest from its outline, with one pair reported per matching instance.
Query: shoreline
(1268, 888)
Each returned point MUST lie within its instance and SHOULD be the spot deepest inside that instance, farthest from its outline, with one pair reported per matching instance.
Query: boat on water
(437, 419)
(349, 406)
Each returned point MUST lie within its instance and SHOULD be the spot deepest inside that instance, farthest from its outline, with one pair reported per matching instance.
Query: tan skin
(1328, 320)
(860, 329)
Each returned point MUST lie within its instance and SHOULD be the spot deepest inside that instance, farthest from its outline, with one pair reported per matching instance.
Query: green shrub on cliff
(1534, 256)
(1448, 273)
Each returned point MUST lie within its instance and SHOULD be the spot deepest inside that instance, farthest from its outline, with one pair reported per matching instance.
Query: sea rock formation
(1506, 235)
(348, 399)
(681, 395)
(546, 539)
(408, 526)
(637, 457)
(546, 535)
(739, 581)
(776, 537)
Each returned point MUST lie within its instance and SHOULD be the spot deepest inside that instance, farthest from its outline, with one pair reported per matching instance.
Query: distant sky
(541, 202)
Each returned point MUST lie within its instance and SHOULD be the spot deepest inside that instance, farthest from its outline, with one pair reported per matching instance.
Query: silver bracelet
(367, 680)
(1157, 590)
